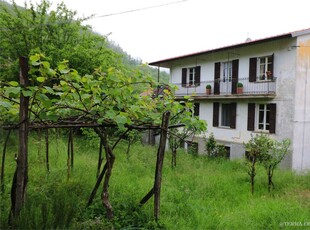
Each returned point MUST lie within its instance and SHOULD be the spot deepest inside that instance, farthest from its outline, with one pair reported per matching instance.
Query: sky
(179, 27)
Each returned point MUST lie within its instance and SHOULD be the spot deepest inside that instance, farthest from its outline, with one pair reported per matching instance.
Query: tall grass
(198, 194)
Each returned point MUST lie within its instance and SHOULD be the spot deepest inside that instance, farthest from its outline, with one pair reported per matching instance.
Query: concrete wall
(301, 143)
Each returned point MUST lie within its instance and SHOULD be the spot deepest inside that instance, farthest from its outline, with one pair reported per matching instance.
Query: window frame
(191, 76)
(227, 71)
(265, 119)
(253, 117)
(191, 73)
(264, 68)
(227, 113)
(217, 115)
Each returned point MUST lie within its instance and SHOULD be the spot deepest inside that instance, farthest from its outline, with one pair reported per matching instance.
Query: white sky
(191, 25)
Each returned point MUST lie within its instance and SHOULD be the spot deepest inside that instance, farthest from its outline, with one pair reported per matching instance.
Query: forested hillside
(60, 35)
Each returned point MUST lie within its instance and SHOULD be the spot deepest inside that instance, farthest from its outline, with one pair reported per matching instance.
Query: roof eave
(166, 63)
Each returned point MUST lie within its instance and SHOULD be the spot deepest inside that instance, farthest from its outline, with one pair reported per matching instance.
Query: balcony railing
(228, 88)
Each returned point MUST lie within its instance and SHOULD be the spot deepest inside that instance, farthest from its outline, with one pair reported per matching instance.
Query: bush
(214, 149)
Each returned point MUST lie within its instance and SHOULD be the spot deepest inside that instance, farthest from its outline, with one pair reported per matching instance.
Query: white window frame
(226, 71)
(263, 67)
(264, 123)
(221, 115)
(191, 72)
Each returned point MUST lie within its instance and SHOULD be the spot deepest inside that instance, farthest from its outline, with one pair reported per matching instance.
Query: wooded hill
(59, 35)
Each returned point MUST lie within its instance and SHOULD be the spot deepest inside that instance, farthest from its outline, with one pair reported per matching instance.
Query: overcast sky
(191, 25)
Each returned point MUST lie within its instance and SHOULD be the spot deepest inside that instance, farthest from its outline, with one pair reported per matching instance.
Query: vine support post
(19, 185)
(3, 159)
(47, 151)
(159, 163)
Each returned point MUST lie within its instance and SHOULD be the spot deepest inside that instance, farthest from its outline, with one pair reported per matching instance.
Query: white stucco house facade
(275, 74)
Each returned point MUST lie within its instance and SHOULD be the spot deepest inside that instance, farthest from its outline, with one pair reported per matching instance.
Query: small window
(196, 109)
(192, 147)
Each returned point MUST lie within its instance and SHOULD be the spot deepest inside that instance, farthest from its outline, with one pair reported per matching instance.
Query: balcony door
(226, 77)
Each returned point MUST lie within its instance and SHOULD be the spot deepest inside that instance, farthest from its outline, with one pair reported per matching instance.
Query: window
(262, 117)
(191, 76)
(224, 115)
(196, 109)
(261, 68)
(265, 68)
(192, 147)
(227, 71)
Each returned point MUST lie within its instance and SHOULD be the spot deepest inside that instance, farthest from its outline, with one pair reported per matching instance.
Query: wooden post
(19, 185)
(155, 190)
(159, 163)
(47, 151)
(3, 159)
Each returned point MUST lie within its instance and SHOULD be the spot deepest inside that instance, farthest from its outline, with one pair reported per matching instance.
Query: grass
(198, 194)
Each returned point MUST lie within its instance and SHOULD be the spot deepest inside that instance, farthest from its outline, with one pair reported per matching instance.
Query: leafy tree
(108, 98)
(273, 157)
(257, 147)
(59, 34)
(192, 126)
(268, 152)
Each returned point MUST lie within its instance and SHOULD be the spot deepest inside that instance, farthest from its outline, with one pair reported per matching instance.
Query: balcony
(228, 89)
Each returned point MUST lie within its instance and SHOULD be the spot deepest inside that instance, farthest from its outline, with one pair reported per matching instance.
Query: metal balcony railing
(228, 87)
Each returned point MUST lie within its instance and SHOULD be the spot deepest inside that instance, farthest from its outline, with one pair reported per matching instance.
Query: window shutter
(272, 119)
(271, 67)
(197, 75)
(253, 69)
(233, 115)
(251, 116)
(216, 108)
(235, 73)
(184, 73)
(217, 75)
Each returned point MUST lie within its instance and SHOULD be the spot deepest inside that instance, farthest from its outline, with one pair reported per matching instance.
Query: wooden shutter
(197, 75)
(271, 68)
(251, 116)
(235, 77)
(217, 75)
(272, 118)
(216, 110)
(184, 75)
(233, 115)
(253, 69)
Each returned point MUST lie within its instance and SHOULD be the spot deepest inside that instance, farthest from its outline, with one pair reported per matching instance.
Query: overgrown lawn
(198, 194)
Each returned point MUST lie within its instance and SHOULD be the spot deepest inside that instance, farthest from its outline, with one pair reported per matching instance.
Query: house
(275, 100)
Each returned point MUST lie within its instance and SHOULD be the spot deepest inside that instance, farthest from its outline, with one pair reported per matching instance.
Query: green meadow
(199, 193)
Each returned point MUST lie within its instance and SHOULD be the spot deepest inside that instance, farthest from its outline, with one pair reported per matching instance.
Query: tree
(268, 152)
(61, 97)
(256, 147)
(192, 126)
(59, 34)
(273, 157)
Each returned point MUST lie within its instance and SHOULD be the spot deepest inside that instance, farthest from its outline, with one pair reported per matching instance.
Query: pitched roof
(165, 62)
